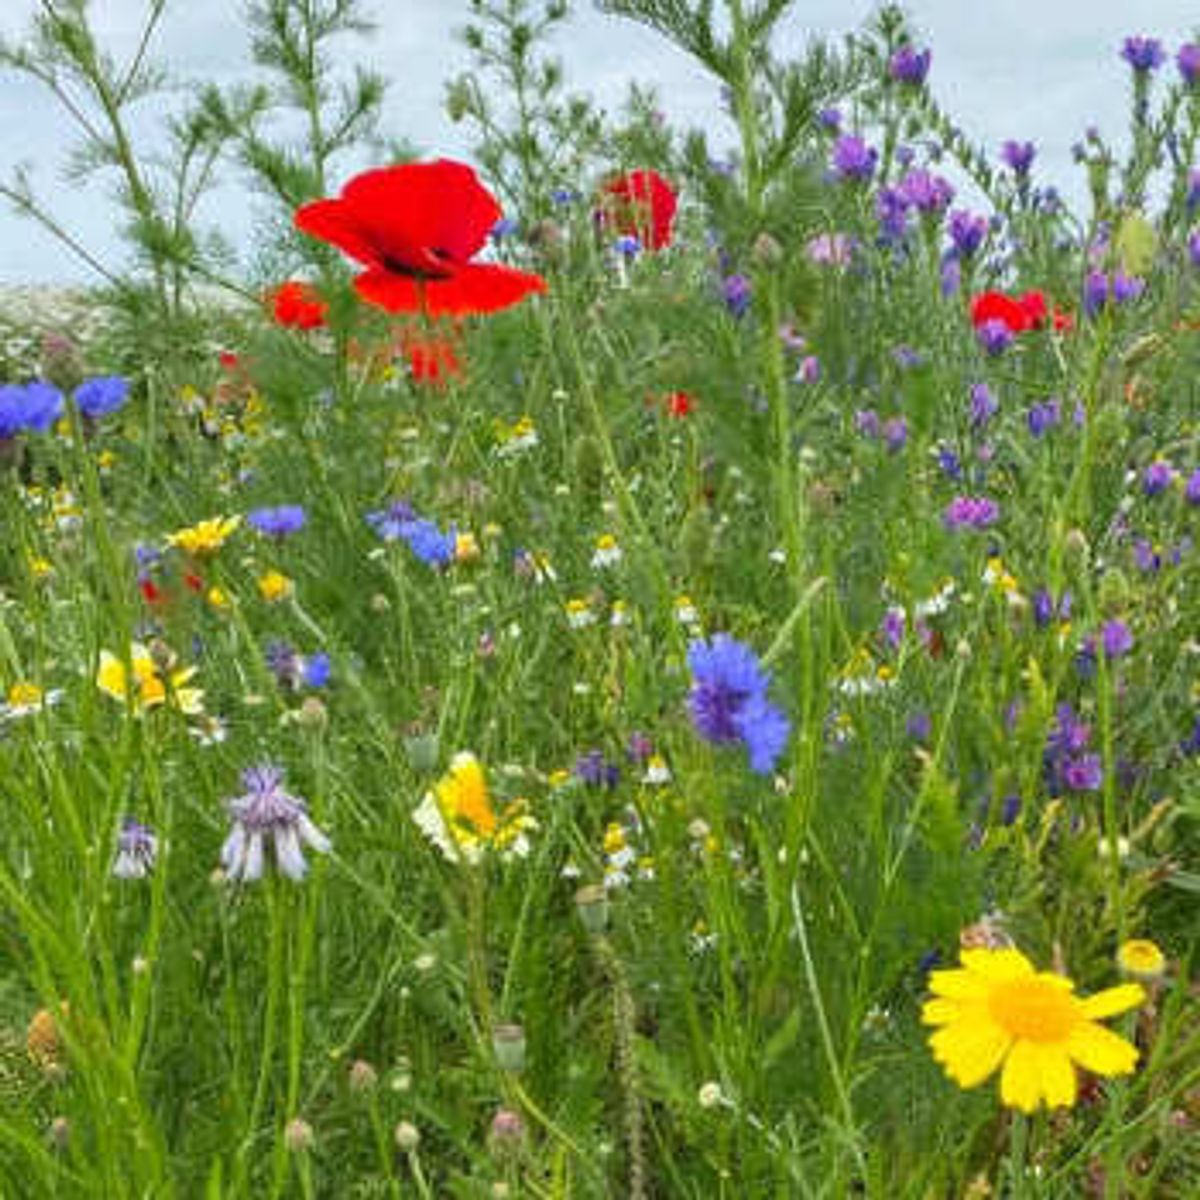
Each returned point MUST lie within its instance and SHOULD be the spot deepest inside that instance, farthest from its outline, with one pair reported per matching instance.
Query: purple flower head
(278, 522)
(895, 434)
(829, 250)
(892, 627)
(735, 291)
(1145, 556)
(503, 228)
(1143, 53)
(728, 701)
(951, 276)
(628, 245)
(906, 358)
(1095, 293)
(639, 748)
(316, 670)
(994, 336)
(32, 408)
(927, 193)
(949, 463)
(1157, 477)
(1069, 734)
(430, 545)
(1188, 62)
(592, 769)
(393, 522)
(1043, 417)
(1194, 247)
(891, 207)
(1082, 774)
(809, 370)
(267, 815)
(284, 663)
(919, 726)
(1010, 809)
(1126, 287)
(867, 423)
(984, 406)
(137, 849)
(1116, 639)
(971, 512)
(909, 66)
(101, 396)
(1191, 492)
(1191, 198)
(853, 160)
(830, 119)
(967, 231)
(1018, 157)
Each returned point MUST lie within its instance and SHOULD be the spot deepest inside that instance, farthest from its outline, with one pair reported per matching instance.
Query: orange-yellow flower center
(1035, 1010)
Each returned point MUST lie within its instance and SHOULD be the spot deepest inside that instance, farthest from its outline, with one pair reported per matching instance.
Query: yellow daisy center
(1034, 1010)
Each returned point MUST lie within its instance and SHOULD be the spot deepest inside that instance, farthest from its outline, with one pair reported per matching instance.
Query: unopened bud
(592, 904)
(363, 1076)
(298, 1136)
(766, 251)
(407, 1137)
(508, 1044)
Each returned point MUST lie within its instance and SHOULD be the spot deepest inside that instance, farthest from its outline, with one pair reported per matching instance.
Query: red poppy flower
(298, 305)
(432, 358)
(642, 204)
(1017, 315)
(416, 227)
(679, 404)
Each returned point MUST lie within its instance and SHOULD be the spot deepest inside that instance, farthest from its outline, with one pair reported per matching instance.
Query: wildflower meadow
(622, 667)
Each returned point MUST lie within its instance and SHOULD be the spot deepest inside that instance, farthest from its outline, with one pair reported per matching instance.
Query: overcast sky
(1024, 69)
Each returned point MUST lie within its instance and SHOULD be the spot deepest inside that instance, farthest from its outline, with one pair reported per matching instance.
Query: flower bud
(592, 904)
(298, 1136)
(508, 1044)
(407, 1137)
(363, 1076)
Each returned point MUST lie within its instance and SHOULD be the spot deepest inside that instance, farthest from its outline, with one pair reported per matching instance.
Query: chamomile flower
(25, 699)
(607, 552)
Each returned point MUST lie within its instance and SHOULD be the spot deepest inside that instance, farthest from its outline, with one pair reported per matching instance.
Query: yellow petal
(997, 965)
(1113, 1000)
(940, 1011)
(1058, 1077)
(1021, 1083)
(970, 1050)
(1101, 1051)
(957, 984)
(110, 677)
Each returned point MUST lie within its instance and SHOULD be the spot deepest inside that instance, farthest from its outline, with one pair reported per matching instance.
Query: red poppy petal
(396, 293)
(421, 214)
(479, 288)
(332, 221)
(996, 306)
(646, 193)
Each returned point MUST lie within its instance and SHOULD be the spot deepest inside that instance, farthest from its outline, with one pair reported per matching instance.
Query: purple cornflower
(830, 118)
(853, 160)
(1191, 198)
(1194, 248)
(1018, 156)
(728, 700)
(967, 231)
(895, 434)
(994, 336)
(393, 522)
(919, 726)
(984, 406)
(1044, 608)
(1145, 556)
(101, 396)
(906, 358)
(1082, 774)
(1116, 639)
(591, 768)
(1157, 477)
(639, 747)
(1190, 746)
(1042, 417)
(735, 291)
(1143, 53)
(266, 813)
(1191, 493)
(137, 849)
(628, 245)
(1095, 292)
(1188, 62)
(892, 627)
(949, 462)
(867, 423)
(284, 663)
(809, 370)
(951, 276)
(891, 207)
(1065, 762)
(909, 66)
(278, 522)
(33, 407)
(972, 512)
(1126, 287)
(1010, 809)
(928, 193)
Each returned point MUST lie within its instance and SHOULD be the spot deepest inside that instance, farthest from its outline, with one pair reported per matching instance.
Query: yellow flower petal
(1058, 1077)
(1101, 1051)
(957, 985)
(1021, 1083)
(996, 964)
(970, 1050)
(1113, 1000)
(940, 1011)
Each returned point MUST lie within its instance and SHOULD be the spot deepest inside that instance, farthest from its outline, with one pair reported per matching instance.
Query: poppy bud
(592, 904)
(507, 1133)
(508, 1044)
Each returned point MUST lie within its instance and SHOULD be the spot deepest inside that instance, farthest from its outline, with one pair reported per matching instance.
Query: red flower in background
(1018, 313)
(432, 357)
(415, 227)
(640, 203)
(298, 305)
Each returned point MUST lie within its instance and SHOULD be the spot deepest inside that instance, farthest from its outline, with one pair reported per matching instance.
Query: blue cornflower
(278, 522)
(1157, 477)
(908, 65)
(735, 291)
(316, 670)
(101, 396)
(429, 544)
(1143, 53)
(994, 336)
(267, 816)
(984, 406)
(394, 522)
(33, 407)
(728, 701)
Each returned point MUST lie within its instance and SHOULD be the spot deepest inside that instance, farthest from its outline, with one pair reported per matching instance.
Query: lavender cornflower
(972, 512)
(1157, 477)
(1082, 774)
(967, 231)
(1188, 62)
(137, 849)
(393, 522)
(735, 291)
(895, 434)
(1095, 293)
(1191, 492)
(830, 118)
(891, 207)
(101, 396)
(1116, 639)
(984, 406)
(892, 627)
(1126, 287)
(266, 813)
(809, 370)
(867, 423)
(919, 726)
(949, 462)
(1143, 53)
(1018, 156)
(1042, 417)
(728, 700)
(994, 336)
(1065, 763)
(951, 276)
(592, 769)
(278, 522)
(853, 160)
(909, 66)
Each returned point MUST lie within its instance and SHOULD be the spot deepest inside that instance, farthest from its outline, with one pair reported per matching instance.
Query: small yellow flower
(685, 611)
(274, 586)
(459, 818)
(105, 461)
(559, 778)
(40, 568)
(607, 552)
(218, 597)
(24, 699)
(148, 687)
(1141, 959)
(996, 1009)
(205, 538)
(579, 614)
(466, 547)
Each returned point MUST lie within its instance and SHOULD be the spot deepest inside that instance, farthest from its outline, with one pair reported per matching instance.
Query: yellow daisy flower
(205, 538)
(274, 586)
(459, 818)
(1141, 959)
(148, 685)
(997, 1009)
